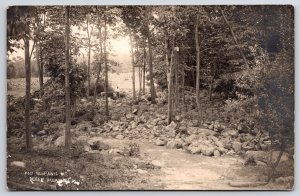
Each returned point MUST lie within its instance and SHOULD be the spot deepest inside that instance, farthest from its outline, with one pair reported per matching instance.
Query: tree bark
(106, 68)
(152, 88)
(67, 78)
(27, 96)
(197, 66)
(144, 68)
(38, 62)
(133, 65)
(170, 86)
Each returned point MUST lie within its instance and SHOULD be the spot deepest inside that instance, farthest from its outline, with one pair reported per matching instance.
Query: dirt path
(183, 171)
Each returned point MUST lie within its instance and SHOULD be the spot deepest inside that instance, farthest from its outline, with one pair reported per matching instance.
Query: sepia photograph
(140, 97)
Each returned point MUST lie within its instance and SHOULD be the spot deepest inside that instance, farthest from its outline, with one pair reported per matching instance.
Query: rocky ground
(186, 154)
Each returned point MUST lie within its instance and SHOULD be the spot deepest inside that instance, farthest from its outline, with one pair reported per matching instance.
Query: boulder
(171, 127)
(119, 137)
(285, 180)
(230, 133)
(129, 117)
(42, 133)
(160, 142)
(98, 145)
(207, 150)
(217, 153)
(174, 144)
(84, 126)
(194, 149)
(60, 141)
(18, 164)
(198, 130)
(191, 138)
(236, 146)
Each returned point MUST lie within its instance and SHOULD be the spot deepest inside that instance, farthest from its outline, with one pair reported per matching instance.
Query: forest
(206, 103)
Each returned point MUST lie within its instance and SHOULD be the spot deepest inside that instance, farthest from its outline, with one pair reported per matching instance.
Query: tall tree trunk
(152, 88)
(133, 65)
(144, 68)
(67, 79)
(27, 97)
(99, 66)
(89, 69)
(38, 62)
(170, 85)
(106, 68)
(197, 66)
(89, 57)
(176, 71)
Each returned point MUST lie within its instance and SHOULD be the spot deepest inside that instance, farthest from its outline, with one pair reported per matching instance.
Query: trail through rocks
(184, 171)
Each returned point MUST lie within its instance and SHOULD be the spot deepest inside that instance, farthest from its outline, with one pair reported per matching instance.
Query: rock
(41, 133)
(285, 180)
(163, 117)
(230, 133)
(60, 141)
(191, 138)
(236, 146)
(174, 144)
(285, 156)
(257, 155)
(129, 117)
(119, 137)
(18, 164)
(84, 126)
(98, 119)
(177, 118)
(115, 151)
(82, 139)
(198, 130)
(217, 153)
(141, 171)
(97, 144)
(135, 111)
(160, 142)
(194, 149)
(211, 127)
(172, 126)
(207, 150)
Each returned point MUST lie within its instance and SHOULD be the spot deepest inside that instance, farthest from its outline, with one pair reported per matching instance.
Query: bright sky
(120, 48)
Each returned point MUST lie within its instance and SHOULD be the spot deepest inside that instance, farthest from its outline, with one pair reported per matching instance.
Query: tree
(149, 38)
(133, 63)
(67, 78)
(197, 65)
(105, 65)
(19, 26)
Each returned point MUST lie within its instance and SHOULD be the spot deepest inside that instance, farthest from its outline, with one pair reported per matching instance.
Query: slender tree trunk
(67, 79)
(99, 66)
(144, 68)
(38, 62)
(27, 97)
(133, 65)
(176, 92)
(170, 87)
(152, 88)
(197, 66)
(89, 69)
(40, 70)
(106, 68)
